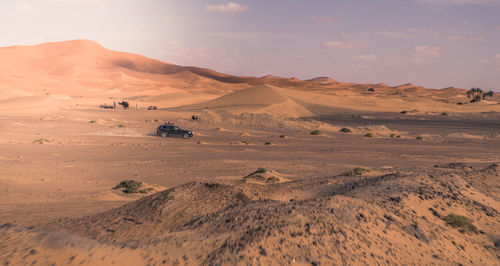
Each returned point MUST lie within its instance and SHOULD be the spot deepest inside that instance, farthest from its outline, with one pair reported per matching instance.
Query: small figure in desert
(124, 104)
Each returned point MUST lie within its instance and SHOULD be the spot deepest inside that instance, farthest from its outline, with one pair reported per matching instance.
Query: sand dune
(378, 218)
(259, 99)
(85, 70)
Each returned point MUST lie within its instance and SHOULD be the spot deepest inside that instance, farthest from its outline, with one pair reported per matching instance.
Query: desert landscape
(280, 171)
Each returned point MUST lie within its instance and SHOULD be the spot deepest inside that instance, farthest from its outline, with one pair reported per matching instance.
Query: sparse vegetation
(463, 223)
(316, 132)
(419, 137)
(355, 171)
(393, 135)
(260, 170)
(345, 130)
(121, 126)
(369, 135)
(404, 112)
(92, 121)
(476, 94)
(130, 186)
(42, 141)
(282, 136)
(444, 113)
(267, 143)
(371, 90)
(244, 142)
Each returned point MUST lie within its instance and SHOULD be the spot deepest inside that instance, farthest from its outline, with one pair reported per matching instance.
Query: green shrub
(404, 112)
(393, 135)
(345, 130)
(316, 132)
(444, 113)
(130, 186)
(260, 170)
(420, 138)
(282, 136)
(267, 143)
(355, 171)
(371, 90)
(463, 223)
(369, 135)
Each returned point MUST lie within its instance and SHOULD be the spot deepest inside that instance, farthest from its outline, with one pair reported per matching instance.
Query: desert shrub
(260, 170)
(146, 190)
(316, 132)
(282, 136)
(463, 223)
(244, 142)
(92, 121)
(267, 143)
(273, 179)
(404, 112)
(460, 103)
(345, 130)
(121, 126)
(393, 135)
(130, 186)
(369, 135)
(371, 90)
(420, 138)
(444, 113)
(355, 171)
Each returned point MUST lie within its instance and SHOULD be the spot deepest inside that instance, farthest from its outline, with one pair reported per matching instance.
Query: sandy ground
(61, 156)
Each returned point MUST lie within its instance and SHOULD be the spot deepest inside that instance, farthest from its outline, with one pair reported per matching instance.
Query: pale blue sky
(434, 43)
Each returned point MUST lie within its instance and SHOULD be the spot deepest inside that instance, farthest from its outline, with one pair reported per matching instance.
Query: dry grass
(463, 223)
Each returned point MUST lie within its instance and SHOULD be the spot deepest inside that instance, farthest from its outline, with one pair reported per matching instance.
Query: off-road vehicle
(170, 130)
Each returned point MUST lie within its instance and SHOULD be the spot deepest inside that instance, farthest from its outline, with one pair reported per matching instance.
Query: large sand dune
(90, 74)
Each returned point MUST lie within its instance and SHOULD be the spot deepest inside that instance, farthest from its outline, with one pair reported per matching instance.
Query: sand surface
(61, 156)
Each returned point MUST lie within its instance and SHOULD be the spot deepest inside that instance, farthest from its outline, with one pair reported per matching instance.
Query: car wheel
(186, 136)
(164, 135)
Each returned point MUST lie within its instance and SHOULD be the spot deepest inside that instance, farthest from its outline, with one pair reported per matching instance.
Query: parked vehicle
(170, 130)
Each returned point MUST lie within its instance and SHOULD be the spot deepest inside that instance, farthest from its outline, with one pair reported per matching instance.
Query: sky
(432, 43)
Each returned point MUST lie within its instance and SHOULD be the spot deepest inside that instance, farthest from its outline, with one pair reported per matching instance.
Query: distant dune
(91, 74)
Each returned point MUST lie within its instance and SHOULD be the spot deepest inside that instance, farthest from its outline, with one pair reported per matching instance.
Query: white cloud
(341, 45)
(97, 3)
(365, 57)
(466, 39)
(461, 2)
(228, 8)
(494, 59)
(25, 7)
(423, 52)
(315, 19)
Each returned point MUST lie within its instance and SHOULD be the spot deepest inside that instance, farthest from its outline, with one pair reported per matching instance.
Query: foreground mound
(419, 216)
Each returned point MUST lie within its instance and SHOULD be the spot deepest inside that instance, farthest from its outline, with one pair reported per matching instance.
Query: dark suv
(170, 130)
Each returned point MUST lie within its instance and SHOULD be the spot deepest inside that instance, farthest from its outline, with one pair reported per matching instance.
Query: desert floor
(67, 164)
(64, 166)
